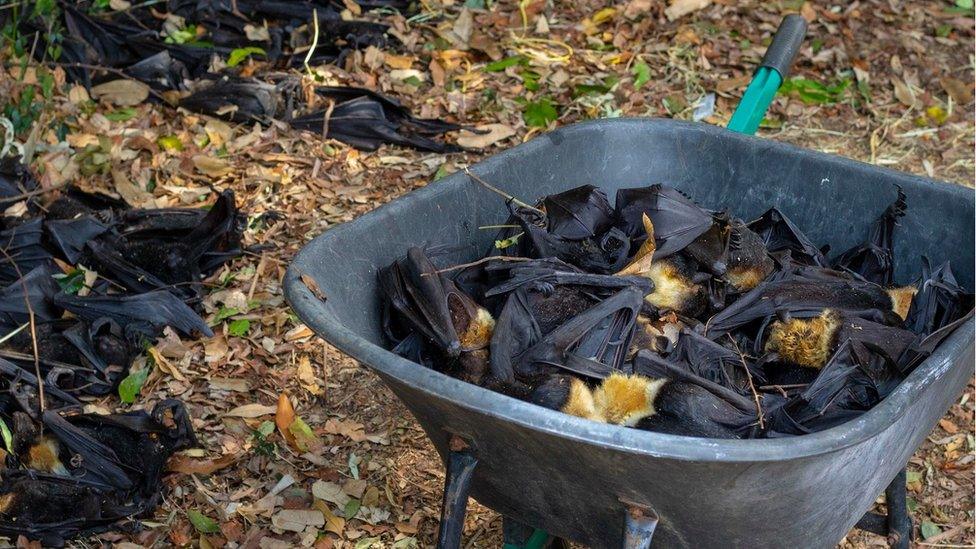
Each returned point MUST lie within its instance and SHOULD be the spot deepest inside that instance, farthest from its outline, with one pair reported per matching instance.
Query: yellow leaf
(123, 92)
(165, 365)
(642, 260)
(604, 15)
(333, 523)
(208, 165)
(306, 376)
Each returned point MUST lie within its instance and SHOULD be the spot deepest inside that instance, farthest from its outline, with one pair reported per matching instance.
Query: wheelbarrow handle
(785, 45)
(773, 70)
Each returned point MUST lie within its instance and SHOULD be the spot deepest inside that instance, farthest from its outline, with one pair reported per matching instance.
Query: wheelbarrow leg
(897, 524)
(457, 483)
(639, 525)
(899, 520)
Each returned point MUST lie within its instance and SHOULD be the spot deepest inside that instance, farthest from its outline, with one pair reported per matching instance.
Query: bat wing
(780, 233)
(155, 310)
(874, 260)
(677, 220)
(579, 213)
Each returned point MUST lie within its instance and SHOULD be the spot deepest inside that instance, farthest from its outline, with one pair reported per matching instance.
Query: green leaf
(813, 92)
(912, 504)
(368, 543)
(929, 530)
(132, 384)
(71, 283)
(8, 437)
(240, 54)
(352, 507)
(266, 428)
(225, 312)
(121, 115)
(530, 79)
(642, 74)
(913, 476)
(239, 327)
(508, 242)
(354, 462)
(943, 31)
(413, 81)
(203, 523)
(539, 113)
(964, 4)
(442, 172)
(503, 64)
(170, 143)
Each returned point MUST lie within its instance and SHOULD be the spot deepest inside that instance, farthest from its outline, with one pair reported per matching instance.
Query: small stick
(755, 394)
(790, 386)
(14, 332)
(35, 192)
(33, 331)
(486, 227)
(479, 262)
(500, 192)
(325, 119)
(254, 281)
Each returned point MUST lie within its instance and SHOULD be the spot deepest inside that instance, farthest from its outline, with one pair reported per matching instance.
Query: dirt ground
(887, 82)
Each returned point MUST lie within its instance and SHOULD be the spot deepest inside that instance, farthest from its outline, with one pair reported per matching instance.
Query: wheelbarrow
(609, 486)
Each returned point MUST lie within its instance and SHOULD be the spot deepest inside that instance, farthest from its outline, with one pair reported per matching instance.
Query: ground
(887, 82)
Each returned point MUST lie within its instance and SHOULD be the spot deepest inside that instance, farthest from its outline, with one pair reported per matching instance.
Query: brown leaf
(285, 414)
(313, 286)
(808, 12)
(961, 92)
(730, 84)
(188, 466)
(493, 134)
(296, 520)
(333, 523)
(208, 165)
(122, 92)
(679, 8)
(251, 411)
(306, 376)
(948, 426)
(903, 93)
(642, 259)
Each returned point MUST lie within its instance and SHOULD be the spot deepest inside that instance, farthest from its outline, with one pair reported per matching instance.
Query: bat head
(627, 399)
(804, 341)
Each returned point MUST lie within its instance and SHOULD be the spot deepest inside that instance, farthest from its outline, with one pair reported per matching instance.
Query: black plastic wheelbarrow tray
(598, 484)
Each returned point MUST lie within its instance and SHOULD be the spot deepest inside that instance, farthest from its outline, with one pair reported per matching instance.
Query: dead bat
(874, 259)
(602, 254)
(800, 297)
(562, 328)
(430, 304)
(749, 262)
(40, 287)
(146, 313)
(23, 250)
(779, 233)
(810, 342)
(677, 220)
(69, 236)
(847, 386)
(939, 302)
(579, 213)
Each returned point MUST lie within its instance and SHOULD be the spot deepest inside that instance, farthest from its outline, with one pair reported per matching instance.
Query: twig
(944, 536)
(35, 192)
(788, 386)
(500, 192)
(486, 227)
(479, 262)
(14, 332)
(755, 394)
(326, 117)
(33, 331)
(257, 274)
(315, 40)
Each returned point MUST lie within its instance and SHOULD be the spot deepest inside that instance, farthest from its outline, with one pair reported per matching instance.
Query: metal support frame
(896, 525)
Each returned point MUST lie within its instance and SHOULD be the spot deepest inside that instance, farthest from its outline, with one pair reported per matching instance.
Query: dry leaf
(333, 523)
(165, 365)
(961, 92)
(644, 256)
(251, 411)
(312, 285)
(296, 520)
(122, 92)
(298, 332)
(306, 376)
(397, 61)
(330, 491)
(679, 8)
(948, 426)
(903, 92)
(463, 26)
(189, 466)
(285, 414)
(494, 134)
(230, 384)
(208, 165)
(78, 94)
(129, 191)
(353, 430)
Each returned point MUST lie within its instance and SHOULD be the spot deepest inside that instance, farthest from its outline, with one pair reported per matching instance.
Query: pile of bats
(659, 314)
(69, 335)
(173, 47)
